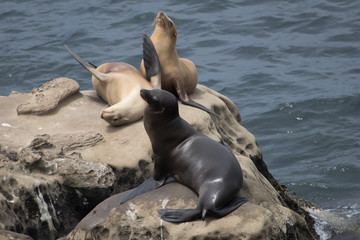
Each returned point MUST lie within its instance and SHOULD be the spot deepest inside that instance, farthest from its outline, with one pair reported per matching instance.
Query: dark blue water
(292, 68)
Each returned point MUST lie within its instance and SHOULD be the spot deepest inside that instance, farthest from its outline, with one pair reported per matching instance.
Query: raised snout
(144, 93)
(161, 14)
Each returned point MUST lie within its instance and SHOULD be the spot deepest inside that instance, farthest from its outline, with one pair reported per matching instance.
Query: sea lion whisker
(154, 22)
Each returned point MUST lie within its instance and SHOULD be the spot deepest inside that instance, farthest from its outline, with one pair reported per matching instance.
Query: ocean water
(292, 67)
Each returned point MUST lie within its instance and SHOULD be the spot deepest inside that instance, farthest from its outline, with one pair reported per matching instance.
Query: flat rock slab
(123, 146)
(47, 97)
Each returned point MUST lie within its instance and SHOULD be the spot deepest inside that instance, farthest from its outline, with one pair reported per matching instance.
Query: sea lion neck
(164, 33)
(153, 117)
(165, 129)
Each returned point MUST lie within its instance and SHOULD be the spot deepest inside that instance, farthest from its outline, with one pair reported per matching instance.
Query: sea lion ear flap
(175, 34)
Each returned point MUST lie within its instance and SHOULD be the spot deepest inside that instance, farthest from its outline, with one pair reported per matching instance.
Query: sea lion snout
(161, 14)
(163, 21)
(143, 93)
(150, 97)
(158, 99)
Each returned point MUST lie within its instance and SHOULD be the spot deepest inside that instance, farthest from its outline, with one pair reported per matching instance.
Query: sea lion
(191, 158)
(178, 75)
(119, 85)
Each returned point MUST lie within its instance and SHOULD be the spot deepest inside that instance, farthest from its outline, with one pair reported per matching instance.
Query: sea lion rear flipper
(151, 62)
(184, 98)
(88, 66)
(148, 185)
(180, 215)
(228, 208)
(185, 215)
(92, 64)
(197, 105)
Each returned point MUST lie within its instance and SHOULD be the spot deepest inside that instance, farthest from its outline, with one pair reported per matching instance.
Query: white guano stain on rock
(163, 205)
(6, 125)
(44, 210)
(131, 213)
(164, 202)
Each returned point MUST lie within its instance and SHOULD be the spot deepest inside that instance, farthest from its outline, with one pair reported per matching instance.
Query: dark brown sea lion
(193, 159)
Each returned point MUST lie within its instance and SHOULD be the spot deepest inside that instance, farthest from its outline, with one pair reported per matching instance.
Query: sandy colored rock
(263, 217)
(47, 97)
(7, 235)
(46, 187)
(76, 160)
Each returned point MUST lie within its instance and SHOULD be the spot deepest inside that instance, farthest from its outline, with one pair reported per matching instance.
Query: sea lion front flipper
(88, 66)
(228, 208)
(184, 98)
(151, 62)
(148, 185)
(180, 215)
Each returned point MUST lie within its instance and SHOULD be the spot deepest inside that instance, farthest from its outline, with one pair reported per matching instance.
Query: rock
(34, 206)
(44, 191)
(4, 235)
(75, 160)
(47, 97)
(263, 215)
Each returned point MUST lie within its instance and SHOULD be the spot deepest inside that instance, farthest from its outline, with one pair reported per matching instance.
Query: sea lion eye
(156, 99)
(116, 119)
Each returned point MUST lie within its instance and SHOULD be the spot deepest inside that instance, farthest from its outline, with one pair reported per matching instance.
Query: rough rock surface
(5, 235)
(55, 168)
(263, 217)
(48, 96)
(45, 188)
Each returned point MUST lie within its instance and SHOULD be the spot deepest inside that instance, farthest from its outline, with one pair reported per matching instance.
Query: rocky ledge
(64, 170)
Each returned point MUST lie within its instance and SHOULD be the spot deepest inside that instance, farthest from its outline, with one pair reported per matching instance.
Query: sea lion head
(114, 116)
(160, 101)
(165, 27)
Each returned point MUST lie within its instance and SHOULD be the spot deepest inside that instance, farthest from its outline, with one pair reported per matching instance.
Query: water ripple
(290, 66)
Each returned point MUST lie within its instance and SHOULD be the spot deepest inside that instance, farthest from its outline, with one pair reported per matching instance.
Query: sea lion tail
(88, 66)
(190, 102)
(151, 62)
(180, 215)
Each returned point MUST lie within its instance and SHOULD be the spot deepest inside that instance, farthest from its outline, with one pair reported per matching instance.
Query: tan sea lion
(119, 85)
(178, 75)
